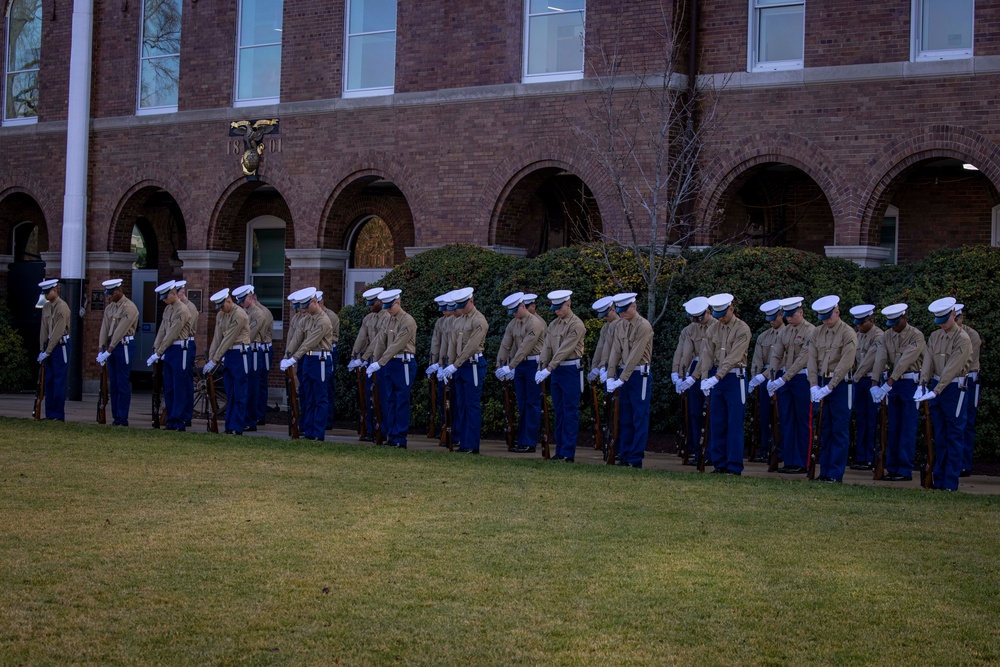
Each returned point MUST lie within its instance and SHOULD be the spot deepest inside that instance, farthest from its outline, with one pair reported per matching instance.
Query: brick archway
(241, 202)
(18, 205)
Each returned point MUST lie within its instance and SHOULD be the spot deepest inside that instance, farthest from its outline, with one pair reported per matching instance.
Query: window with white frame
(160, 56)
(777, 34)
(258, 53)
(24, 49)
(553, 40)
(370, 67)
(889, 236)
(265, 266)
(942, 29)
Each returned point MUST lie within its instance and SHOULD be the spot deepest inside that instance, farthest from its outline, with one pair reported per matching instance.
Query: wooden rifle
(684, 427)
(362, 404)
(158, 419)
(102, 397)
(598, 444)
(432, 420)
(609, 456)
(706, 416)
(213, 404)
(39, 393)
(448, 423)
(377, 411)
(816, 440)
(772, 464)
(882, 421)
(755, 434)
(927, 474)
(292, 395)
(510, 429)
(547, 427)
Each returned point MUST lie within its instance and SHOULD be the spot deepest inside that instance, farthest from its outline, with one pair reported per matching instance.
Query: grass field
(133, 547)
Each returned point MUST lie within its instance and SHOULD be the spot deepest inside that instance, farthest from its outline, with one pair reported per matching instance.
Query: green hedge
(14, 360)
(752, 275)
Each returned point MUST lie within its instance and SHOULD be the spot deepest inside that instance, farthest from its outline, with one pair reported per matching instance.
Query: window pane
(268, 290)
(158, 82)
(161, 28)
(888, 237)
(946, 25)
(260, 22)
(25, 34)
(260, 72)
(22, 95)
(541, 6)
(268, 251)
(781, 34)
(371, 61)
(372, 15)
(555, 43)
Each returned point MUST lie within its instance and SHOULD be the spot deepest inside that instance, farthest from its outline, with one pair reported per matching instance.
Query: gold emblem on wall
(253, 132)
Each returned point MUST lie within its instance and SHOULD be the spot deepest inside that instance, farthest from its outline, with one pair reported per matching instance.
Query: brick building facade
(848, 139)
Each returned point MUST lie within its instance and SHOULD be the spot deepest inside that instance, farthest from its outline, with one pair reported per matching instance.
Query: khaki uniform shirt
(468, 337)
(791, 351)
(904, 352)
(366, 333)
(724, 348)
(832, 353)
(507, 342)
(691, 344)
(528, 339)
(295, 319)
(870, 354)
(120, 320)
(762, 350)
(631, 346)
(257, 321)
(175, 317)
(977, 345)
(563, 341)
(232, 328)
(376, 344)
(315, 334)
(401, 336)
(191, 326)
(947, 356)
(682, 341)
(335, 321)
(437, 339)
(55, 324)
(602, 353)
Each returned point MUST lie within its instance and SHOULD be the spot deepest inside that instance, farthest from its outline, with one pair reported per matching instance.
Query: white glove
(707, 384)
(675, 377)
(823, 392)
(886, 388)
(503, 372)
(756, 380)
(613, 384)
(207, 368)
(541, 375)
(432, 369)
(373, 368)
(353, 363)
(877, 394)
(509, 376)
(812, 394)
(921, 390)
(604, 375)
(687, 384)
(286, 364)
(442, 375)
(102, 357)
(449, 370)
(593, 374)
(153, 359)
(42, 356)
(926, 396)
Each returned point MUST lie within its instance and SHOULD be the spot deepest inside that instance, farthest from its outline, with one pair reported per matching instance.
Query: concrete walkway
(85, 412)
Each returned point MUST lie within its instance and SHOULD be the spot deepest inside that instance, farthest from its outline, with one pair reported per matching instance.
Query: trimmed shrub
(14, 360)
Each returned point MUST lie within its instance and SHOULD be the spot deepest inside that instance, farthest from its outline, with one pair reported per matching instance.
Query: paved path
(84, 412)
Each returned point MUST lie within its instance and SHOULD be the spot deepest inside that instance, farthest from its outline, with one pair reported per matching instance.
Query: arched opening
(371, 255)
(546, 208)
(144, 245)
(23, 238)
(775, 204)
(937, 202)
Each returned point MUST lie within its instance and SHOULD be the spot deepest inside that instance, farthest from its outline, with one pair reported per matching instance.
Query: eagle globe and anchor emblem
(253, 141)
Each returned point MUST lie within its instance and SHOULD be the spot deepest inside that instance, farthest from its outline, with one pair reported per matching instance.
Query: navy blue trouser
(192, 351)
(398, 378)
(566, 384)
(696, 406)
(766, 428)
(55, 382)
(836, 431)
(175, 379)
(728, 409)
(865, 422)
(468, 395)
(529, 403)
(119, 386)
(235, 367)
(314, 397)
(902, 428)
(972, 408)
(265, 357)
(633, 425)
(794, 413)
(949, 420)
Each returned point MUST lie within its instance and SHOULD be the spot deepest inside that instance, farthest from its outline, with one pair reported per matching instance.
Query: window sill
(11, 122)
(555, 76)
(368, 92)
(153, 111)
(261, 102)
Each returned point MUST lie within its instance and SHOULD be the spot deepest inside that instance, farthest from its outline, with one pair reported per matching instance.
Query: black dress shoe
(861, 466)
(964, 473)
(792, 470)
(169, 428)
(691, 462)
(718, 471)
(732, 472)
(188, 423)
(260, 422)
(252, 427)
(466, 450)
(520, 449)
(556, 457)
(228, 431)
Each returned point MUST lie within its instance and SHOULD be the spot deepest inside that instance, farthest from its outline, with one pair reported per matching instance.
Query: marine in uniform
(904, 352)
(117, 348)
(517, 360)
(467, 369)
(831, 361)
(971, 390)
(363, 345)
(722, 370)
(628, 364)
(605, 309)
(759, 365)
(790, 385)
(297, 314)
(400, 364)
(170, 346)
(231, 347)
(686, 358)
(561, 358)
(189, 332)
(53, 343)
(438, 350)
(311, 346)
(870, 354)
(244, 297)
(331, 378)
(942, 385)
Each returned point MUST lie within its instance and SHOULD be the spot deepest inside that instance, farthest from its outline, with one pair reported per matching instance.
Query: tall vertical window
(24, 48)
(553, 45)
(266, 261)
(371, 48)
(160, 56)
(942, 29)
(889, 236)
(258, 56)
(777, 34)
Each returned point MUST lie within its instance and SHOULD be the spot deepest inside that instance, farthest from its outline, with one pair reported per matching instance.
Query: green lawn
(139, 547)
